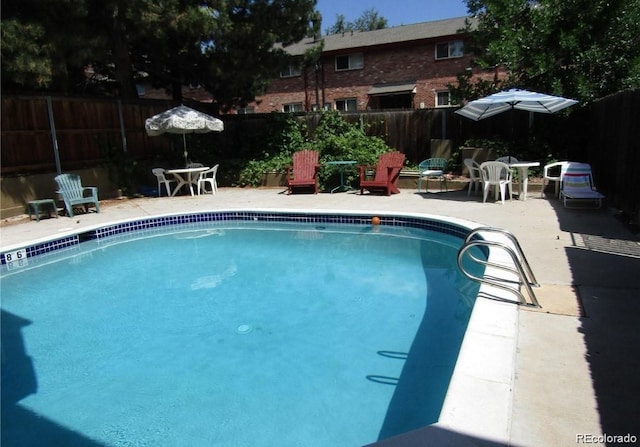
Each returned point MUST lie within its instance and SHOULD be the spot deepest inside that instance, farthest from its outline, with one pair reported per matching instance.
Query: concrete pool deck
(577, 367)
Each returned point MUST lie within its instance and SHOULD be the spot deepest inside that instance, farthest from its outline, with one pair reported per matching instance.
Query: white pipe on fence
(122, 132)
(54, 136)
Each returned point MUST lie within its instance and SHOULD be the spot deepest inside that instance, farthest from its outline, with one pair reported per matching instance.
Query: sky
(397, 12)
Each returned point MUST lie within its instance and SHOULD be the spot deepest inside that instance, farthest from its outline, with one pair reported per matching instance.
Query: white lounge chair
(577, 185)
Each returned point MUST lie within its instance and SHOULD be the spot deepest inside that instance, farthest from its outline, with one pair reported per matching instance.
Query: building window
(292, 107)
(326, 106)
(246, 110)
(349, 62)
(443, 99)
(290, 72)
(400, 101)
(447, 50)
(347, 105)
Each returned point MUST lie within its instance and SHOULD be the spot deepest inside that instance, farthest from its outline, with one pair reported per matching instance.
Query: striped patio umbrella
(514, 99)
(182, 120)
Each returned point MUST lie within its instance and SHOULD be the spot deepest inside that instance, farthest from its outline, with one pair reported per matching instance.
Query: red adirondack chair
(386, 175)
(304, 173)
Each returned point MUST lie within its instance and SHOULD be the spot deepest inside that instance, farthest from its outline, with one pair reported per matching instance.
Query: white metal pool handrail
(522, 268)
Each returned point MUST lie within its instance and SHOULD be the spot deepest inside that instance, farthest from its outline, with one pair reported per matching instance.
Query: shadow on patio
(605, 265)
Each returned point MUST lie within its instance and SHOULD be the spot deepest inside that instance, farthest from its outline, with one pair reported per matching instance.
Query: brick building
(404, 67)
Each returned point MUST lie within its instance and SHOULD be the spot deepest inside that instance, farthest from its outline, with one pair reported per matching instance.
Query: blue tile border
(44, 248)
(158, 224)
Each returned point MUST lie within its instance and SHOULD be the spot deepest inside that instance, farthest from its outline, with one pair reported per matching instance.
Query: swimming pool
(256, 328)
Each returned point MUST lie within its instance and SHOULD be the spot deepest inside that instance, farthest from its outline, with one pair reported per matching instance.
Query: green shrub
(337, 139)
(334, 138)
(499, 145)
(284, 136)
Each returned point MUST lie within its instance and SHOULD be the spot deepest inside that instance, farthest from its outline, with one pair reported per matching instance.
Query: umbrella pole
(184, 142)
(512, 148)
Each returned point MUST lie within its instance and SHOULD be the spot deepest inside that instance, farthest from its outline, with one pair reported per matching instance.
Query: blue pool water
(288, 335)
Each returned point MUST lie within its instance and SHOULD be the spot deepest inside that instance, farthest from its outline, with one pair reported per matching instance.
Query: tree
(169, 42)
(341, 26)
(44, 44)
(24, 46)
(584, 49)
(242, 56)
(227, 46)
(369, 20)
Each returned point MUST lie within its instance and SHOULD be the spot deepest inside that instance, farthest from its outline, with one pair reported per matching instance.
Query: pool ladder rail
(519, 273)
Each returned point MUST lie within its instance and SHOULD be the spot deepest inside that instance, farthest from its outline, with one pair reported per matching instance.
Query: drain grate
(613, 246)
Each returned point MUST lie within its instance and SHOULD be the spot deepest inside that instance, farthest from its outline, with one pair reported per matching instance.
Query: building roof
(396, 34)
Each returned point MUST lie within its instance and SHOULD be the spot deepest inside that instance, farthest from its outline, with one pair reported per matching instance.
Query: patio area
(577, 371)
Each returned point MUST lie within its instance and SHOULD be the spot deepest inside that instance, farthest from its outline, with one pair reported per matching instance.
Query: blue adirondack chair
(73, 193)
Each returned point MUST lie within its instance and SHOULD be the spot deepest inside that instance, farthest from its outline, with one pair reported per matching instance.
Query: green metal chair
(432, 168)
(73, 193)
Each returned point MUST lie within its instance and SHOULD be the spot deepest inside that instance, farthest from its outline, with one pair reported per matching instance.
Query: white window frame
(291, 72)
(292, 107)
(316, 108)
(455, 49)
(437, 99)
(343, 104)
(355, 61)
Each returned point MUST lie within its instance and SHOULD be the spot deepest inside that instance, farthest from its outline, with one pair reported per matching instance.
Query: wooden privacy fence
(408, 131)
(48, 134)
(614, 149)
(54, 134)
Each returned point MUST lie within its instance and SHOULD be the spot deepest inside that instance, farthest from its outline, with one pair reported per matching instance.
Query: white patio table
(184, 177)
(523, 176)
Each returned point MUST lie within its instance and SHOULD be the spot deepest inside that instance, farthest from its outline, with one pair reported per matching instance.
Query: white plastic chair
(159, 173)
(497, 174)
(507, 159)
(553, 173)
(193, 177)
(432, 168)
(208, 177)
(475, 176)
